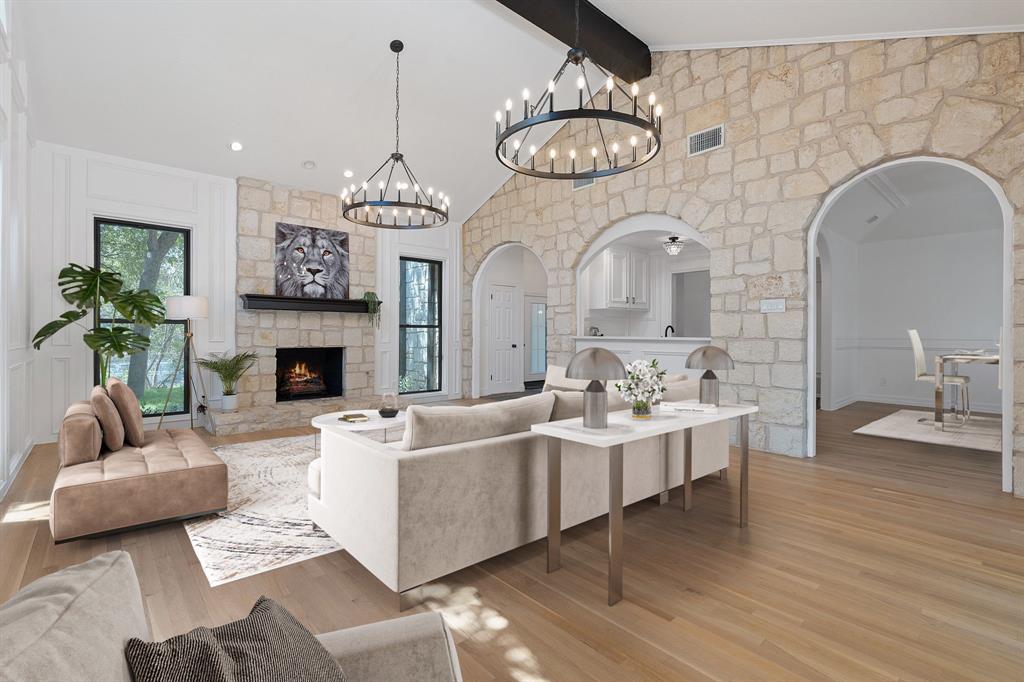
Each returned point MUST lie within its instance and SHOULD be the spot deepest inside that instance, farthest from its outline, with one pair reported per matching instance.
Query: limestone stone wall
(800, 120)
(261, 206)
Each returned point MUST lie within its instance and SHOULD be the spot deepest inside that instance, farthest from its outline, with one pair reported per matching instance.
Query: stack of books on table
(691, 406)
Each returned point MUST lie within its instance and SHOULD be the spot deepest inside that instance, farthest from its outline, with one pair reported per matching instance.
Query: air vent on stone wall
(580, 183)
(705, 140)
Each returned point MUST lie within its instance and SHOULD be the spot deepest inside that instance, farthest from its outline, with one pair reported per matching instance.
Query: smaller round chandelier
(374, 204)
(674, 246)
(607, 157)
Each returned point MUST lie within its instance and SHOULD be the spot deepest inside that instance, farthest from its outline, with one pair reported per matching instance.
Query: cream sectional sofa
(469, 483)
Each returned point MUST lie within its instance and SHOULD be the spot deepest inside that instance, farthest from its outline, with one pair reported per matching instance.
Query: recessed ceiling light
(309, 165)
(347, 174)
(235, 146)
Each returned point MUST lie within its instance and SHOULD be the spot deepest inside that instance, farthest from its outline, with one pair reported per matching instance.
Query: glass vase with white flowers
(643, 386)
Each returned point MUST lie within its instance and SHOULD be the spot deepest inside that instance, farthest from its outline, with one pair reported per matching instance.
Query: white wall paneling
(16, 357)
(70, 188)
(442, 244)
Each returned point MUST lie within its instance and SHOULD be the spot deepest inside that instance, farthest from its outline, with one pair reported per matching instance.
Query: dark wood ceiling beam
(606, 42)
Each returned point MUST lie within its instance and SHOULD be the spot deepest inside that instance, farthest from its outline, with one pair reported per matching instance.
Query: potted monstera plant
(230, 369)
(89, 290)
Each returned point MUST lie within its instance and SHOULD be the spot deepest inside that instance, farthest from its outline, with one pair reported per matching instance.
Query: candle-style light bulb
(615, 147)
(551, 87)
(364, 186)
(508, 105)
(497, 116)
(657, 111)
(572, 153)
(352, 188)
(526, 93)
(610, 84)
(533, 150)
(581, 82)
(551, 95)
(634, 89)
(380, 184)
(553, 153)
(632, 140)
(516, 144)
(526, 103)
(593, 152)
(651, 98)
(533, 155)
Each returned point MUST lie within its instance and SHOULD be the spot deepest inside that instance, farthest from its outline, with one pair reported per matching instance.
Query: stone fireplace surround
(261, 205)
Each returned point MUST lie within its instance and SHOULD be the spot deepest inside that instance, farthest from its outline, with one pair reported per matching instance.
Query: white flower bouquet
(643, 386)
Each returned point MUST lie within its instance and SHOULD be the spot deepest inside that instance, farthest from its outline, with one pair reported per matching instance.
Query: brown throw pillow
(80, 437)
(110, 420)
(268, 644)
(131, 412)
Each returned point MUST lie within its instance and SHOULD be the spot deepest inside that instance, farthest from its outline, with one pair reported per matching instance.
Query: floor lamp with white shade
(186, 308)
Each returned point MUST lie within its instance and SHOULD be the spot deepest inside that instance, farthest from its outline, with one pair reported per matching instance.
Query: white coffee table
(376, 427)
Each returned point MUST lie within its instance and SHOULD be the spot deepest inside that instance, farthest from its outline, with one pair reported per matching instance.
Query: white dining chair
(921, 374)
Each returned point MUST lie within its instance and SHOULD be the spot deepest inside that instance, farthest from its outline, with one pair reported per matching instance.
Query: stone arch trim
(472, 347)
(1006, 369)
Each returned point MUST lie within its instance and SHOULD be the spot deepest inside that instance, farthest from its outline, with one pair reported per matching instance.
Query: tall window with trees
(155, 258)
(419, 326)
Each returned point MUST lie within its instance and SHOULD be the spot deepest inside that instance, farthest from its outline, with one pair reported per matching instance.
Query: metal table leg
(938, 392)
(555, 504)
(663, 495)
(614, 524)
(744, 473)
(687, 469)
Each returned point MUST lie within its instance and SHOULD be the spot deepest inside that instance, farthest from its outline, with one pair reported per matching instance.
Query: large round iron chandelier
(611, 154)
(379, 203)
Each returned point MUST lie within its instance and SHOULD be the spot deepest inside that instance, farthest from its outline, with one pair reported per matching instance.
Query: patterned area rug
(980, 433)
(267, 524)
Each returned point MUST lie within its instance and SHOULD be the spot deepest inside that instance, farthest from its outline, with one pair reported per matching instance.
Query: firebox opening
(307, 373)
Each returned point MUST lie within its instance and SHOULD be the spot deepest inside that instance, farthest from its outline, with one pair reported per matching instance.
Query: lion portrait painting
(310, 262)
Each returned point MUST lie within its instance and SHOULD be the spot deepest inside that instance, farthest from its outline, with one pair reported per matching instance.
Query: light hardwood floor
(879, 559)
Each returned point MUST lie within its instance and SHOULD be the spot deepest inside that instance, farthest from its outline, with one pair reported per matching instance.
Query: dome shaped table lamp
(595, 365)
(709, 358)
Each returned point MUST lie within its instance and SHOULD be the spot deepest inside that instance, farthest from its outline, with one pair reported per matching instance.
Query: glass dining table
(955, 360)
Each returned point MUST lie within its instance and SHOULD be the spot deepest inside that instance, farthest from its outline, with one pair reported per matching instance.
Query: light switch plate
(773, 305)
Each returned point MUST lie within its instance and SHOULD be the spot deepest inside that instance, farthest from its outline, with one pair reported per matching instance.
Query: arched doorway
(833, 249)
(510, 320)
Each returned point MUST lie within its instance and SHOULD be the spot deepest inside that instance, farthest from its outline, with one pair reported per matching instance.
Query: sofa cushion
(130, 411)
(555, 377)
(81, 437)
(268, 644)
(174, 474)
(681, 390)
(569, 404)
(73, 624)
(427, 427)
(110, 420)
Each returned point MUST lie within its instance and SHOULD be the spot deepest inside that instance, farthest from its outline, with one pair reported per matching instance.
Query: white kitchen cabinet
(620, 278)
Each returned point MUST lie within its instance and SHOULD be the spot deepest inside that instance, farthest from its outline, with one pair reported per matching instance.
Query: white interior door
(535, 365)
(503, 352)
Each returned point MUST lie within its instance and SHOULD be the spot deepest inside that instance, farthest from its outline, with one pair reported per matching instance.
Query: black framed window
(419, 326)
(156, 258)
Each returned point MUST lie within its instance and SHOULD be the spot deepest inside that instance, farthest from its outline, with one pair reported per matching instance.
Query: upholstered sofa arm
(417, 647)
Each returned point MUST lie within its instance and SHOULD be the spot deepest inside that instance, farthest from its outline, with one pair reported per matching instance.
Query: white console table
(622, 429)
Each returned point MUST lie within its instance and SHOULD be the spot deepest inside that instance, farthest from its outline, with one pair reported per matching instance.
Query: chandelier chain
(579, 30)
(397, 100)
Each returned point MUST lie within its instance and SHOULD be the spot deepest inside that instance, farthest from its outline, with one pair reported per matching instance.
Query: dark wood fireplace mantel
(321, 305)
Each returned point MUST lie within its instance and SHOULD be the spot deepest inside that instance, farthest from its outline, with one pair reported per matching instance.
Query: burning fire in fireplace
(300, 380)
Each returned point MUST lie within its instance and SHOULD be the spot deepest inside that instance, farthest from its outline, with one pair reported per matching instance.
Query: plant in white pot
(230, 370)
(642, 387)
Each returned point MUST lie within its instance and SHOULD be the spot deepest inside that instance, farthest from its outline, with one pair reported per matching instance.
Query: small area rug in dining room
(979, 433)
(266, 525)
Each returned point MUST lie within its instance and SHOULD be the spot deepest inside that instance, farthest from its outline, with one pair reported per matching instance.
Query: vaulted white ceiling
(702, 24)
(175, 82)
(911, 201)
